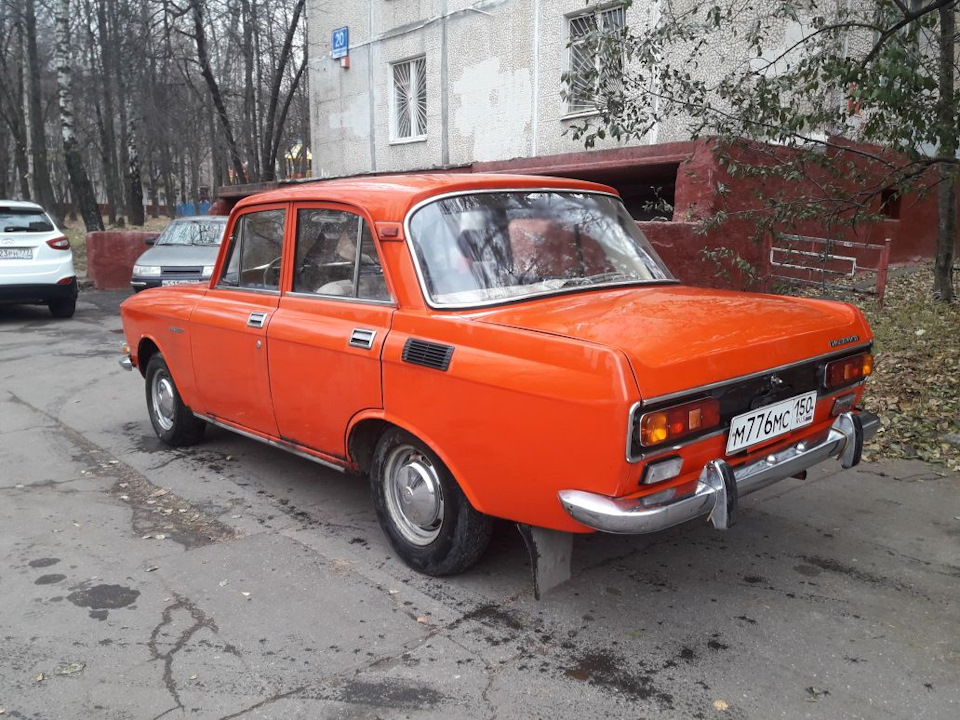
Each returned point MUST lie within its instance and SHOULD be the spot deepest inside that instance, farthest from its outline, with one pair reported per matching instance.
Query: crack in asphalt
(200, 621)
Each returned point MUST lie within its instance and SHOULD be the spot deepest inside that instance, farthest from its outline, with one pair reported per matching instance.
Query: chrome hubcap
(413, 494)
(163, 400)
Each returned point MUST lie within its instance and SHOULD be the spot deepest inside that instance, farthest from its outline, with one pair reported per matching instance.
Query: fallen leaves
(914, 388)
(72, 668)
(720, 705)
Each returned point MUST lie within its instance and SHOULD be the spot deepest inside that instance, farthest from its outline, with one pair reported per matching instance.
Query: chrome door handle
(362, 338)
(257, 319)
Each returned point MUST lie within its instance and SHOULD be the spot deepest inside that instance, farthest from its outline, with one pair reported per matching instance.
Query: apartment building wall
(493, 72)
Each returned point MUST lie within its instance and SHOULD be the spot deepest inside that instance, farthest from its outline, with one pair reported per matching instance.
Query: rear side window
(327, 261)
(24, 220)
(255, 251)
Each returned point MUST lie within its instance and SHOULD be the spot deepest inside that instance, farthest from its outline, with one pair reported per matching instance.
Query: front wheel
(422, 510)
(173, 421)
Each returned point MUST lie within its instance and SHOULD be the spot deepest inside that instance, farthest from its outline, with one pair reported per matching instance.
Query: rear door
(229, 325)
(328, 331)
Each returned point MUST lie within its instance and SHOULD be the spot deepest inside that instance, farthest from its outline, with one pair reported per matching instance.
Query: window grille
(409, 116)
(585, 65)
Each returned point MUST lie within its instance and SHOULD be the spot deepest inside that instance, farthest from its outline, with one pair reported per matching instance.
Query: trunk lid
(678, 338)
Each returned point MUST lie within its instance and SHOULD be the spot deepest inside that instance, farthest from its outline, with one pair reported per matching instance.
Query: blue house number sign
(341, 43)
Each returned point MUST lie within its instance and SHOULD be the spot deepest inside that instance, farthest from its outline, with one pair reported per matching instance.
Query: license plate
(177, 282)
(16, 253)
(768, 422)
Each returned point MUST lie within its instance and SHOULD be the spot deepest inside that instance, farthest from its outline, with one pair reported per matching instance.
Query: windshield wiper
(603, 277)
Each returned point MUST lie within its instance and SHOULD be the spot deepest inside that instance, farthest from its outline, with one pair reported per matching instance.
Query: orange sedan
(487, 346)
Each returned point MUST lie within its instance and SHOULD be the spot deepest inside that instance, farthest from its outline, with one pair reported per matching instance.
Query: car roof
(20, 205)
(390, 197)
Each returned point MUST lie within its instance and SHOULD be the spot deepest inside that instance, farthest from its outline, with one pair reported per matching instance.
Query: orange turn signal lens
(675, 422)
(848, 370)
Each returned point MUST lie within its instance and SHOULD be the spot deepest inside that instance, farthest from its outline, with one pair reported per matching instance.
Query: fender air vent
(428, 354)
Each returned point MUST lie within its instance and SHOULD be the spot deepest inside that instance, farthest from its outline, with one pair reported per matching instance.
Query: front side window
(255, 251)
(491, 247)
(591, 57)
(408, 116)
(327, 258)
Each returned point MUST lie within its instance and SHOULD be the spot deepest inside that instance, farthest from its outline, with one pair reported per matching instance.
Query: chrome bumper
(721, 485)
(126, 363)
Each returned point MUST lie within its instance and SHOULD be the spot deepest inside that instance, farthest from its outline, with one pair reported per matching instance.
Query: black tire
(63, 308)
(422, 510)
(174, 423)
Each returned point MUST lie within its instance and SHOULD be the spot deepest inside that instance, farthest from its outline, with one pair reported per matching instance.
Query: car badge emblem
(844, 340)
(6, 241)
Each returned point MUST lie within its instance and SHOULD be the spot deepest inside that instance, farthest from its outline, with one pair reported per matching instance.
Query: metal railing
(825, 262)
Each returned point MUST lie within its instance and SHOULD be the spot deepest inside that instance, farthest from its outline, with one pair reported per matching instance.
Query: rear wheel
(421, 508)
(63, 308)
(173, 421)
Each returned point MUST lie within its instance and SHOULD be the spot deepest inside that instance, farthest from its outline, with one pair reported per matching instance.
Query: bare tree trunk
(108, 137)
(947, 191)
(134, 181)
(79, 182)
(274, 125)
(42, 188)
(201, 40)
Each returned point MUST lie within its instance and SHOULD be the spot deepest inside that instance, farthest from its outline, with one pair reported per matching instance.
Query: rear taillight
(673, 423)
(60, 243)
(847, 370)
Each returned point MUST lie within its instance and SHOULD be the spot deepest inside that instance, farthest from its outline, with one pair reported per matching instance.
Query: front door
(230, 324)
(328, 331)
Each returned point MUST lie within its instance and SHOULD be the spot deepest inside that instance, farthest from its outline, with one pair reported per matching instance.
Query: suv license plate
(770, 421)
(177, 282)
(16, 254)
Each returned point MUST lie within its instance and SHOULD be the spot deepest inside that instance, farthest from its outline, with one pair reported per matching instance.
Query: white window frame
(579, 106)
(408, 120)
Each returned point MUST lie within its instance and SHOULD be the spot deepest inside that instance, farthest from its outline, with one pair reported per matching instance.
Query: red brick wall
(111, 255)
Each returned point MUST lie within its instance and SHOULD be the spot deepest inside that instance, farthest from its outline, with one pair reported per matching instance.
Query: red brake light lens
(676, 422)
(60, 243)
(848, 370)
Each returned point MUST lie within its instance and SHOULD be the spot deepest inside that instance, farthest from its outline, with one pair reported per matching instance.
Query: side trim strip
(281, 444)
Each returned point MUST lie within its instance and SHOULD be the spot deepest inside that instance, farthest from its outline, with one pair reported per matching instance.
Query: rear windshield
(193, 232)
(490, 247)
(24, 220)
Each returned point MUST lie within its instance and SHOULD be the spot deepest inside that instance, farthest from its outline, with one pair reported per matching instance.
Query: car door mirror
(150, 240)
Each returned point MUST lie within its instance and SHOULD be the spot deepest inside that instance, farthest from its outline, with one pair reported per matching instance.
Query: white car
(36, 262)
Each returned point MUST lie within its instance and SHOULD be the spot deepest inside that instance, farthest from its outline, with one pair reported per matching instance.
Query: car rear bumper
(721, 485)
(39, 293)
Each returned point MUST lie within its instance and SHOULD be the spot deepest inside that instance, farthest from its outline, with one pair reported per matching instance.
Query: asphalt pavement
(232, 580)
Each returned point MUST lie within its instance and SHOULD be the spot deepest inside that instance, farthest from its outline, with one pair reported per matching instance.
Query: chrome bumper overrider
(721, 485)
(126, 363)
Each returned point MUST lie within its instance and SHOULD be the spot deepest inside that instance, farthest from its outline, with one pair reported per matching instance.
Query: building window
(585, 65)
(408, 116)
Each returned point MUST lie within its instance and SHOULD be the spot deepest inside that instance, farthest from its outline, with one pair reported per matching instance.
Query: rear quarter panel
(517, 416)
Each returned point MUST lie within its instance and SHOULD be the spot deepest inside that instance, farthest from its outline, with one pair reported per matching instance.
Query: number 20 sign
(341, 43)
